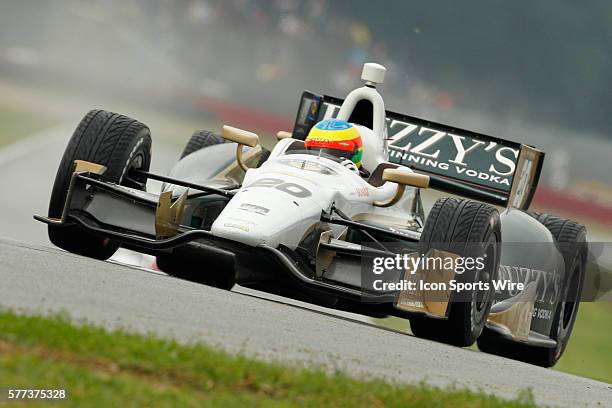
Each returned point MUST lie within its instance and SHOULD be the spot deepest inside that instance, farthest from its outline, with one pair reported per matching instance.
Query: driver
(337, 138)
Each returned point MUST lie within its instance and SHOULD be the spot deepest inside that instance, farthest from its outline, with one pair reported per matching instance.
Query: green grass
(16, 123)
(24, 110)
(589, 352)
(101, 368)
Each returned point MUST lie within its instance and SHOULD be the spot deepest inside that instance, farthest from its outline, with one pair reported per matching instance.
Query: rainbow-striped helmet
(337, 138)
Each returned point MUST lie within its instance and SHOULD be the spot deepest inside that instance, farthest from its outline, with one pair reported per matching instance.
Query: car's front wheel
(471, 230)
(115, 141)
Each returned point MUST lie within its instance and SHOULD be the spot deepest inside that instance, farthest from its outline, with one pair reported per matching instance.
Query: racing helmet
(337, 138)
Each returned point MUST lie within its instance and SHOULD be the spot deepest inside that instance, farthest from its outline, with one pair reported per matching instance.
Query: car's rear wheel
(571, 238)
(115, 141)
(201, 139)
(471, 230)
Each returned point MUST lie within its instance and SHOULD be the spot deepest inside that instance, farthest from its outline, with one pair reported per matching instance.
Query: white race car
(302, 223)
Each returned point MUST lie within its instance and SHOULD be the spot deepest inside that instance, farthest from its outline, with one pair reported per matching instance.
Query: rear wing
(458, 161)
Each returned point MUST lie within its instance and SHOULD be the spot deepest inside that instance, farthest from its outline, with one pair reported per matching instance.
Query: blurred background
(538, 73)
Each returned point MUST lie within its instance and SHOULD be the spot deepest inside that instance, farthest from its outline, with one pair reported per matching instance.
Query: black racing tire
(189, 266)
(118, 142)
(200, 140)
(470, 229)
(571, 237)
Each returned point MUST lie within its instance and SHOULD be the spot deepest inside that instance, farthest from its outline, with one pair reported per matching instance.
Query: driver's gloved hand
(364, 173)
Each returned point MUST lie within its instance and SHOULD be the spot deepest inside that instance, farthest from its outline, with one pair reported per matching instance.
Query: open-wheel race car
(307, 218)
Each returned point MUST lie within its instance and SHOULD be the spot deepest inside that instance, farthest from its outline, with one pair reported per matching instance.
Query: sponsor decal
(441, 150)
(239, 223)
(334, 125)
(362, 192)
(549, 283)
(522, 188)
(540, 313)
(257, 209)
(237, 226)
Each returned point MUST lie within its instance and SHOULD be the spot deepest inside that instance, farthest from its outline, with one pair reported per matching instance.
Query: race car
(316, 216)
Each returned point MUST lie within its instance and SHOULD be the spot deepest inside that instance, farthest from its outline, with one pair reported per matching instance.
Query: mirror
(403, 179)
(240, 136)
(243, 138)
(281, 134)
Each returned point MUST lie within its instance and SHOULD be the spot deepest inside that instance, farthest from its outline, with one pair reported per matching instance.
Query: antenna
(373, 73)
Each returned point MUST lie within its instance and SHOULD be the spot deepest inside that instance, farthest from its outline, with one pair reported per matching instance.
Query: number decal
(290, 188)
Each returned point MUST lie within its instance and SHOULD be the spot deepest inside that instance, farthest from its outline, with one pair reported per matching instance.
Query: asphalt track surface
(36, 278)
